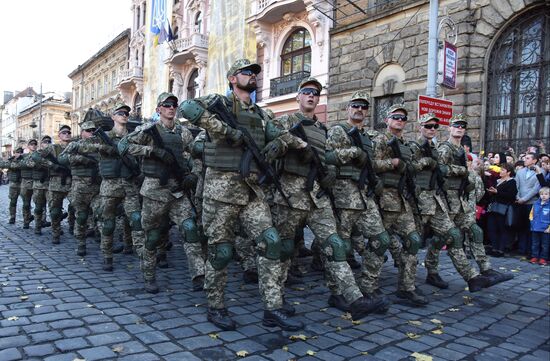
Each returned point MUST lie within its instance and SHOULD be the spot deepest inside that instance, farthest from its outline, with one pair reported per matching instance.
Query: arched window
(192, 86)
(518, 104)
(296, 54)
(137, 104)
(198, 22)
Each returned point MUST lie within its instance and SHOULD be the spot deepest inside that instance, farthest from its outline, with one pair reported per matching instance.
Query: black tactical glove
(307, 155)
(444, 169)
(273, 150)
(190, 181)
(470, 187)
(328, 180)
(401, 166)
(163, 156)
(378, 187)
(234, 136)
(431, 163)
(361, 159)
(107, 149)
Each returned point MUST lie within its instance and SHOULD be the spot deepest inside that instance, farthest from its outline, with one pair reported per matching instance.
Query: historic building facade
(503, 77)
(14, 103)
(95, 81)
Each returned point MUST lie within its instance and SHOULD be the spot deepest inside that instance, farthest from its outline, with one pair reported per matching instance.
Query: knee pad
(152, 238)
(55, 213)
(340, 248)
(477, 233)
(135, 221)
(412, 242)
(270, 244)
(190, 230)
(437, 242)
(454, 235)
(380, 243)
(219, 255)
(287, 249)
(82, 218)
(108, 227)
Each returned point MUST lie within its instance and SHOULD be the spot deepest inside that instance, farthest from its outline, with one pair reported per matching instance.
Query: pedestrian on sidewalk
(540, 228)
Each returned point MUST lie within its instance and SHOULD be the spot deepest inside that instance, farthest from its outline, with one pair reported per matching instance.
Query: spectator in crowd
(540, 228)
(502, 198)
(528, 188)
(543, 173)
(493, 172)
(518, 165)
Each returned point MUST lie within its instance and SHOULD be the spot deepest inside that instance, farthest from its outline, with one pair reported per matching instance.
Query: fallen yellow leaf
(79, 359)
(298, 337)
(285, 348)
(323, 309)
(118, 348)
(13, 318)
(415, 323)
(298, 288)
(338, 329)
(242, 353)
(24, 297)
(364, 353)
(421, 357)
(295, 303)
(437, 332)
(358, 322)
(412, 335)
(436, 321)
(454, 309)
(37, 306)
(311, 353)
(213, 335)
(346, 316)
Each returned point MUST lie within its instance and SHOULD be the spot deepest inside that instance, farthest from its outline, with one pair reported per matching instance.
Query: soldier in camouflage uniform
(231, 196)
(453, 158)
(118, 187)
(13, 164)
(306, 207)
(41, 176)
(433, 209)
(395, 202)
(164, 187)
(355, 201)
(60, 180)
(85, 181)
(27, 182)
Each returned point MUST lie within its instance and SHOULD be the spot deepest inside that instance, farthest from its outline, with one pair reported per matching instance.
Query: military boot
(56, 239)
(279, 318)
(198, 283)
(151, 286)
(250, 276)
(435, 279)
(496, 277)
(288, 309)
(220, 317)
(117, 248)
(339, 302)
(304, 252)
(353, 262)
(317, 263)
(477, 283)
(46, 224)
(12, 220)
(108, 264)
(162, 261)
(363, 306)
(26, 225)
(149, 270)
(412, 298)
(377, 294)
(128, 250)
(81, 251)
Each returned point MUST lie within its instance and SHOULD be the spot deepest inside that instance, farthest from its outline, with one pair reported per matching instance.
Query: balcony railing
(127, 74)
(286, 84)
(196, 39)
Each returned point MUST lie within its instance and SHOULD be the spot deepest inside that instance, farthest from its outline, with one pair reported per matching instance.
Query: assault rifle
(317, 169)
(437, 178)
(65, 172)
(407, 179)
(130, 164)
(367, 172)
(251, 150)
(465, 182)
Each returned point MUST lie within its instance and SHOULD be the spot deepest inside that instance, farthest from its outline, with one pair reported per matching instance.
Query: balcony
(286, 84)
(272, 11)
(186, 48)
(130, 75)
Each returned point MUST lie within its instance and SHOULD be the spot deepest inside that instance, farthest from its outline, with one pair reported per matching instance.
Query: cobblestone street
(57, 306)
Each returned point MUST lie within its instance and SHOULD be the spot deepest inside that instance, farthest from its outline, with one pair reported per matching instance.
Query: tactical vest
(40, 174)
(454, 182)
(26, 172)
(57, 149)
(316, 138)
(82, 170)
(154, 168)
(14, 175)
(222, 156)
(113, 167)
(349, 170)
(392, 178)
(424, 178)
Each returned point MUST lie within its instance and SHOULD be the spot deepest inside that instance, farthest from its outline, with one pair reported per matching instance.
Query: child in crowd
(540, 228)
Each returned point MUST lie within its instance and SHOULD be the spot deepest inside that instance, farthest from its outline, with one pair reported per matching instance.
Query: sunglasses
(359, 106)
(89, 130)
(246, 72)
(400, 117)
(431, 126)
(463, 126)
(65, 132)
(168, 105)
(33, 143)
(46, 141)
(310, 91)
(122, 113)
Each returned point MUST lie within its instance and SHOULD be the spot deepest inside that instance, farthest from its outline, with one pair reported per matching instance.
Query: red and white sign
(448, 58)
(442, 108)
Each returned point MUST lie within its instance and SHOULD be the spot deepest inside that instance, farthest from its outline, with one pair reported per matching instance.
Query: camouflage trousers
(153, 215)
(244, 247)
(15, 190)
(357, 225)
(220, 220)
(400, 225)
(55, 205)
(85, 205)
(39, 198)
(339, 275)
(131, 221)
(473, 238)
(440, 223)
(26, 196)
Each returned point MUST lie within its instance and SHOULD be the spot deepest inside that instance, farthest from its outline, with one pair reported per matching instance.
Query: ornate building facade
(95, 81)
(503, 81)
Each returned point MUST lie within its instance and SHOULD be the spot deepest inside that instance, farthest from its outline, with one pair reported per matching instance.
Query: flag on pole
(160, 26)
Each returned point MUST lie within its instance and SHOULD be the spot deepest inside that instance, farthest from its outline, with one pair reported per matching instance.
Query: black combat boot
(496, 277)
(81, 251)
(435, 279)
(128, 250)
(12, 220)
(477, 283)
(288, 309)
(339, 302)
(117, 248)
(162, 262)
(279, 318)
(363, 306)
(151, 286)
(46, 224)
(412, 297)
(250, 276)
(353, 262)
(26, 225)
(198, 283)
(317, 264)
(304, 252)
(377, 294)
(220, 317)
(56, 239)
(108, 264)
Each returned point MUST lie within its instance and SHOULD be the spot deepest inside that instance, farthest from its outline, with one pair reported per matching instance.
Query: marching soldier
(434, 211)
(27, 182)
(85, 181)
(167, 181)
(357, 186)
(41, 176)
(233, 194)
(13, 164)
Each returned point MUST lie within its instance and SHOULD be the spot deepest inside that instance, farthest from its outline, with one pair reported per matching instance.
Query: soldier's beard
(249, 87)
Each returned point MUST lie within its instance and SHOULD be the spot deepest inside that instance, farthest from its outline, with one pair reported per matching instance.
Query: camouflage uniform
(357, 208)
(27, 182)
(14, 176)
(40, 189)
(162, 200)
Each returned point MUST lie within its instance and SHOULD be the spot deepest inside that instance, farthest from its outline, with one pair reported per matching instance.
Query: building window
(106, 88)
(113, 79)
(93, 92)
(198, 22)
(99, 93)
(518, 104)
(296, 55)
(381, 106)
(192, 86)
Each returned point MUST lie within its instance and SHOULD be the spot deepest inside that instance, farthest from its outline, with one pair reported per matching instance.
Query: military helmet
(458, 118)
(87, 125)
(165, 96)
(424, 118)
(191, 110)
(310, 80)
(243, 64)
(396, 107)
(359, 95)
(121, 105)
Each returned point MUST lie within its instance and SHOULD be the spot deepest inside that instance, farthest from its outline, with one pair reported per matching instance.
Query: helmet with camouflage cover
(424, 118)
(310, 80)
(191, 110)
(359, 95)
(87, 125)
(242, 64)
(458, 118)
(396, 107)
(165, 96)
(121, 105)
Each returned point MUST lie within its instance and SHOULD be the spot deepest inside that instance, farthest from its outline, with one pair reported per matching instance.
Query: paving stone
(14, 341)
(152, 337)
(45, 336)
(10, 354)
(194, 343)
(70, 344)
(109, 338)
(187, 356)
(392, 353)
(76, 332)
(97, 353)
(447, 353)
(248, 345)
(39, 350)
